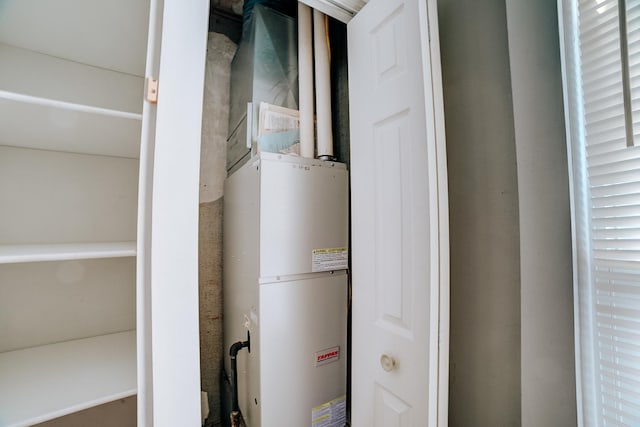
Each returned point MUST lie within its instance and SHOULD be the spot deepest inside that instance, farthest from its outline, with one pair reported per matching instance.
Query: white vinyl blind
(601, 64)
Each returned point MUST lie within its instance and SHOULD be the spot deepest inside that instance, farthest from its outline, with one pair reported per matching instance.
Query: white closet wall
(71, 94)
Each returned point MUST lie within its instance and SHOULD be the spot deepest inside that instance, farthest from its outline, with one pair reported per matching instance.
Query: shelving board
(107, 34)
(10, 254)
(42, 383)
(46, 77)
(40, 123)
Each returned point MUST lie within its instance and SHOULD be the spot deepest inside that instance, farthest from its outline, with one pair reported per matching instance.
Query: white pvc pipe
(305, 81)
(323, 85)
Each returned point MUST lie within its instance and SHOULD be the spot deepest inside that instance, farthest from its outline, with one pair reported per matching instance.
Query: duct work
(272, 84)
(286, 7)
(264, 70)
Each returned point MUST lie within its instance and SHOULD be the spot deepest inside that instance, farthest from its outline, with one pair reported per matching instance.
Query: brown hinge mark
(152, 90)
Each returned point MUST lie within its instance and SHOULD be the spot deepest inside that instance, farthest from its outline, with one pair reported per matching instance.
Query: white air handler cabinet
(285, 284)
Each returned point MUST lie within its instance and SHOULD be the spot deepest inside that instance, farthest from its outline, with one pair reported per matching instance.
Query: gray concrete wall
(483, 202)
(547, 366)
(220, 51)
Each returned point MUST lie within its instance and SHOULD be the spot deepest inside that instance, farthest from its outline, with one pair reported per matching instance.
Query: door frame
(443, 301)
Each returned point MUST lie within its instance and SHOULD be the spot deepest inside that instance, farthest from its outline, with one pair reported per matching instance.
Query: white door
(399, 224)
(167, 282)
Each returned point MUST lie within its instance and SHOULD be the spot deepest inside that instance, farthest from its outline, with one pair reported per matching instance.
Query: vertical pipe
(305, 79)
(323, 86)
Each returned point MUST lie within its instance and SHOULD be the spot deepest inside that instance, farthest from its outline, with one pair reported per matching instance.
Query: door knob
(387, 362)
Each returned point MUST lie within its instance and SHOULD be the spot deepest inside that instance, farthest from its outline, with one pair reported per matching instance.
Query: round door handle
(387, 362)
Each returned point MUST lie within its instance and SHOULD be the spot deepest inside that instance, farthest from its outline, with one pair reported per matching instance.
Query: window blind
(601, 63)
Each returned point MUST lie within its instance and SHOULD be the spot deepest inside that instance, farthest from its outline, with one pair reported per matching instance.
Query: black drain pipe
(233, 353)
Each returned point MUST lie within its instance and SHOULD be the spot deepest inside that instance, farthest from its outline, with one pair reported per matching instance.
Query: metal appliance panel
(301, 320)
(277, 209)
(303, 207)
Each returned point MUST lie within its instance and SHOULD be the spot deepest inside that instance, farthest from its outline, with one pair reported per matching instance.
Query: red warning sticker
(327, 356)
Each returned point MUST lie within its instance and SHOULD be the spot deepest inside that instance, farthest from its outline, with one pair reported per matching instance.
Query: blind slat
(630, 371)
(621, 274)
(615, 293)
(614, 190)
(606, 113)
(608, 63)
(622, 238)
(616, 212)
(604, 90)
(612, 331)
(614, 156)
(608, 216)
(627, 313)
(617, 222)
(616, 161)
(606, 142)
(619, 287)
(626, 399)
(603, 131)
(620, 414)
(628, 325)
(616, 174)
(608, 342)
(614, 201)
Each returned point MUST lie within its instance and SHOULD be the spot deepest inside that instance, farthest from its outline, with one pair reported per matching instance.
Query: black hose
(233, 353)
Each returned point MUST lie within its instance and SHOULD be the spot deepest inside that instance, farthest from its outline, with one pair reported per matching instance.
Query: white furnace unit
(285, 289)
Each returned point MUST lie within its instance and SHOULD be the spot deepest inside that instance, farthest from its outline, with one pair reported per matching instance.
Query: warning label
(330, 414)
(329, 259)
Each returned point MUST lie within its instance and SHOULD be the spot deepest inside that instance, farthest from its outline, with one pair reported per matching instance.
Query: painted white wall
(511, 301)
(483, 205)
(547, 345)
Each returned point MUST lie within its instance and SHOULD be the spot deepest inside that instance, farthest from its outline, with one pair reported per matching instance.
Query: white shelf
(46, 77)
(55, 104)
(42, 383)
(40, 123)
(10, 254)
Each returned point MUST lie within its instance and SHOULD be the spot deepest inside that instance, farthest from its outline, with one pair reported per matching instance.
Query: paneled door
(399, 223)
